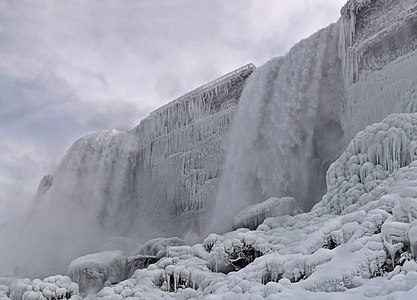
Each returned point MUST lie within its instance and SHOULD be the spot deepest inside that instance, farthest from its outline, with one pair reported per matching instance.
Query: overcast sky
(68, 67)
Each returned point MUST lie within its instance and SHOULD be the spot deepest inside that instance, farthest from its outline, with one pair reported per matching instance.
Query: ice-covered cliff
(299, 111)
(160, 177)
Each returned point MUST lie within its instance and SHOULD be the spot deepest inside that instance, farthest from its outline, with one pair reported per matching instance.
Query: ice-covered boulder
(51, 288)
(371, 157)
(93, 271)
(252, 216)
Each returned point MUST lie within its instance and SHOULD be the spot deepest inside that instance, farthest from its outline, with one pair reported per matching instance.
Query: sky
(71, 67)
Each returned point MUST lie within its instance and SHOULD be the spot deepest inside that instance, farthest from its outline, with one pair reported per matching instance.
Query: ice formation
(371, 157)
(51, 288)
(93, 271)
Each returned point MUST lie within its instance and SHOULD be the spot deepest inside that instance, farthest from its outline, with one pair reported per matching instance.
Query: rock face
(166, 168)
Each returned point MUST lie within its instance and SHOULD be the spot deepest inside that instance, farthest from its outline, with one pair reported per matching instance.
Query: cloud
(70, 67)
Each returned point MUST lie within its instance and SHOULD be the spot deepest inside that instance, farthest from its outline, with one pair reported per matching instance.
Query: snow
(51, 288)
(93, 271)
(372, 155)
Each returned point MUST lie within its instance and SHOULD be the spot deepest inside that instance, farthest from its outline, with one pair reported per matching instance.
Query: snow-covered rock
(93, 271)
(252, 216)
(51, 288)
(371, 157)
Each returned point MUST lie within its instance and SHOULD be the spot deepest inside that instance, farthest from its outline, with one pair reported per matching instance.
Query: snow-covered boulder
(51, 288)
(370, 158)
(92, 271)
(252, 216)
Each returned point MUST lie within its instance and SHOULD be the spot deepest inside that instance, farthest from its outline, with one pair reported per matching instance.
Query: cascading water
(287, 129)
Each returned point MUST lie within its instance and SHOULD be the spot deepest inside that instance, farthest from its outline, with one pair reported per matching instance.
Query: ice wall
(299, 111)
(159, 178)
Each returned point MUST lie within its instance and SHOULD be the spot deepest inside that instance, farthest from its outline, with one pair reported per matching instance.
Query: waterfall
(287, 128)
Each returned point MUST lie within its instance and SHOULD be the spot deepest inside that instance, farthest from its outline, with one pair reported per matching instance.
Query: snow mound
(93, 271)
(51, 288)
(252, 216)
(371, 157)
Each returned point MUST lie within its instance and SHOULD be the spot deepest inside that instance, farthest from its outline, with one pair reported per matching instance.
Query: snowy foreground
(359, 242)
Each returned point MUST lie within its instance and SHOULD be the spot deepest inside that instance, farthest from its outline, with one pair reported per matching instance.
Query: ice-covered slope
(299, 111)
(160, 177)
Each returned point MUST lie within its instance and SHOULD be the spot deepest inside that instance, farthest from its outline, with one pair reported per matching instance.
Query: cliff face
(162, 175)
(378, 42)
